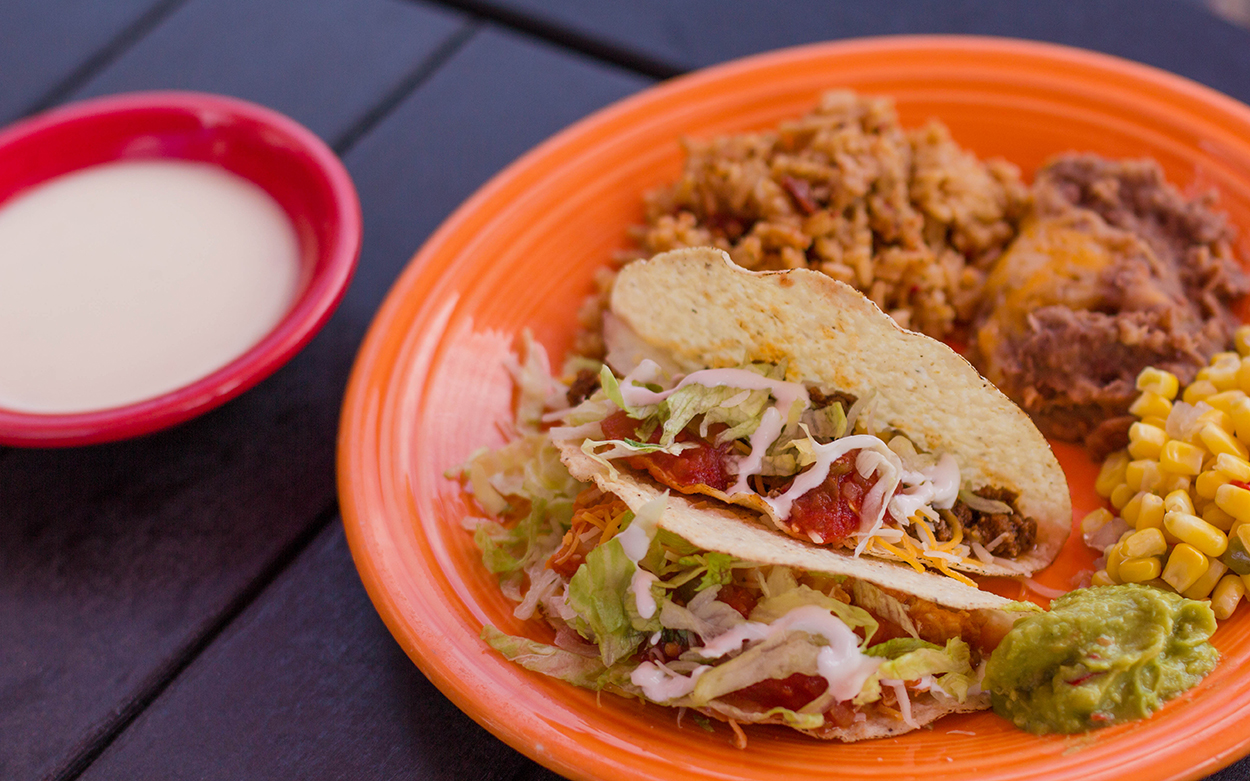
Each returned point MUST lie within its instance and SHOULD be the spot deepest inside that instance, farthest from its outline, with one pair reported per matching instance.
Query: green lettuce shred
(950, 667)
(774, 607)
(597, 593)
(587, 672)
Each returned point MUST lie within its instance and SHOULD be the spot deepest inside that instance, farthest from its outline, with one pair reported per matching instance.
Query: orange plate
(429, 387)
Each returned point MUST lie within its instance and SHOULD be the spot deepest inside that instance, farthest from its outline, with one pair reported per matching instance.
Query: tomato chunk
(831, 509)
(791, 693)
(738, 598)
(703, 464)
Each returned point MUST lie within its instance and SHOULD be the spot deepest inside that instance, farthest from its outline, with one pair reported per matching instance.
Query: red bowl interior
(281, 156)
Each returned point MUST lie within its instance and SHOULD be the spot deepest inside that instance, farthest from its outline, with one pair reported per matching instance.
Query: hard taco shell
(699, 310)
(716, 527)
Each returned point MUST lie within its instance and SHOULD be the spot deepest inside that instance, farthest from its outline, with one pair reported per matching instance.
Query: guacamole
(1100, 656)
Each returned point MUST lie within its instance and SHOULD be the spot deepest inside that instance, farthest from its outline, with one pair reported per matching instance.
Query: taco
(688, 602)
(668, 599)
(792, 395)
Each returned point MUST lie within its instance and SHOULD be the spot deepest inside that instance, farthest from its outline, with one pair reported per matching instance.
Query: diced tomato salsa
(791, 693)
(704, 464)
(831, 511)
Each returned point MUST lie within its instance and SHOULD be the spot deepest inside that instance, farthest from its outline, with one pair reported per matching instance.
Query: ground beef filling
(1011, 534)
(583, 386)
(1115, 271)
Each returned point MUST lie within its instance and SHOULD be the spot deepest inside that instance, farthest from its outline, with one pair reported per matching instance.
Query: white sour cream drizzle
(661, 684)
(635, 541)
(840, 662)
(931, 487)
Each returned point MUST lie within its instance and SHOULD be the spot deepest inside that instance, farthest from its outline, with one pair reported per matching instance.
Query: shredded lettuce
(537, 390)
(892, 649)
(684, 404)
(826, 423)
(780, 656)
(774, 607)
(597, 593)
(951, 666)
(612, 388)
(585, 671)
(807, 721)
(706, 619)
(716, 568)
(506, 550)
(884, 605)
(528, 467)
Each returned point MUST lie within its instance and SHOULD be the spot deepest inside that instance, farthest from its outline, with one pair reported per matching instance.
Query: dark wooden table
(184, 605)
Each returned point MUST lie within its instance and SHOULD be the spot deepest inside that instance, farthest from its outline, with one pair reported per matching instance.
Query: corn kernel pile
(1183, 485)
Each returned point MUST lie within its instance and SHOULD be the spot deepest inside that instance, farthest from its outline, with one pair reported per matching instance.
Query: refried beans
(1114, 271)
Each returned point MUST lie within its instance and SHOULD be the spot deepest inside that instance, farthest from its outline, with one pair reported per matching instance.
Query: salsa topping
(794, 450)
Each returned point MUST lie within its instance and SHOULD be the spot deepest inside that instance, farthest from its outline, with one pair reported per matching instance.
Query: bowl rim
(307, 314)
(363, 457)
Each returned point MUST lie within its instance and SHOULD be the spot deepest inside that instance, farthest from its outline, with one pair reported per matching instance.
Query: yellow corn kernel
(1240, 413)
(1197, 532)
(1221, 441)
(1221, 520)
(1130, 511)
(1234, 467)
(1179, 458)
(1241, 339)
(1112, 473)
(1115, 554)
(1158, 381)
(1156, 421)
(1233, 500)
(1140, 570)
(1228, 593)
(1208, 482)
(1204, 585)
(1198, 390)
(1150, 514)
(1178, 502)
(1152, 405)
(1121, 495)
(1147, 542)
(1140, 475)
(1146, 441)
(1243, 377)
(1185, 565)
(1224, 400)
(1222, 371)
(1101, 578)
(1096, 520)
(1217, 416)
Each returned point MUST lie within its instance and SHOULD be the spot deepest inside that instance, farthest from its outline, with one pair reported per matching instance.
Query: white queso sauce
(127, 280)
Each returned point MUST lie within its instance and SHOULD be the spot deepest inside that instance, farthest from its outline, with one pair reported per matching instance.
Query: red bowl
(283, 157)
